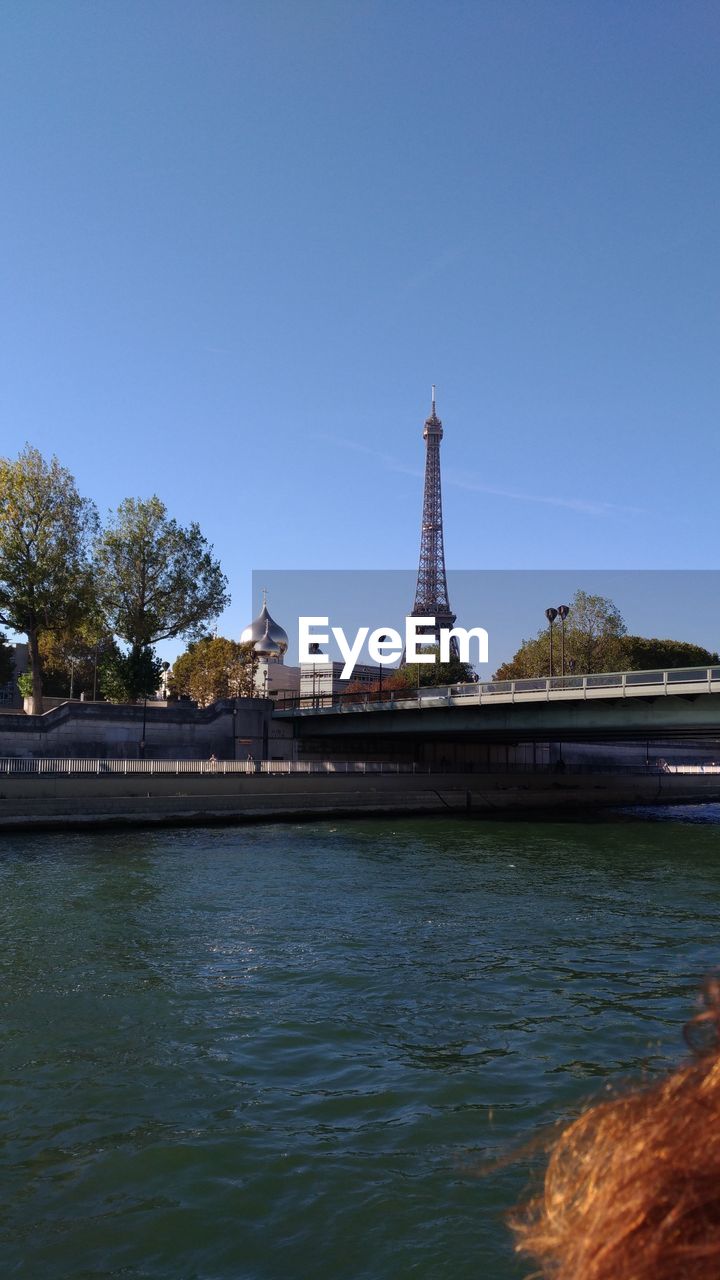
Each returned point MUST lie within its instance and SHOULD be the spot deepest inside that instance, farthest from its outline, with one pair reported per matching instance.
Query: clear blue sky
(240, 240)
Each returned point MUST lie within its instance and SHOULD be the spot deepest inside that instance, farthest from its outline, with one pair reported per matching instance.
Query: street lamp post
(165, 666)
(383, 640)
(563, 611)
(142, 740)
(551, 615)
(314, 648)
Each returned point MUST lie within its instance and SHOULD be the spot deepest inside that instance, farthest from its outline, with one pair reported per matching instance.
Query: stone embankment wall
(230, 729)
(39, 801)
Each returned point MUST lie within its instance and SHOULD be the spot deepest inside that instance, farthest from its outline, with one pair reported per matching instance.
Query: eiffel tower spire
(431, 593)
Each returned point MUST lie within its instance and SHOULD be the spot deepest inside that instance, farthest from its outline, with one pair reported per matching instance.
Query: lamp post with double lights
(563, 611)
(551, 615)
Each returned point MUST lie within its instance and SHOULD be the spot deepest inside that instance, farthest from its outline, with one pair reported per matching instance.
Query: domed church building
(270, 642)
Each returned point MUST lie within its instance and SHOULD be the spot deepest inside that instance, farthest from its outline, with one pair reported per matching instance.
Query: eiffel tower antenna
(431, 593)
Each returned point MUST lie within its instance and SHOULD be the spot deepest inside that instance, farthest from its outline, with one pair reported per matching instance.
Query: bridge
(617, 706)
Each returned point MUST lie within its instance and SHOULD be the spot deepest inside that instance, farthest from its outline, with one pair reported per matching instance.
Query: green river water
(288, 1051)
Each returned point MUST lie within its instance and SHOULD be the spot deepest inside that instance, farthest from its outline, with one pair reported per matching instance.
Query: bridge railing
(67, 766)
(486, 690)
(82, 767)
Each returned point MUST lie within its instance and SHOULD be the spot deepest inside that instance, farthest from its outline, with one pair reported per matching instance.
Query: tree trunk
(36, 668)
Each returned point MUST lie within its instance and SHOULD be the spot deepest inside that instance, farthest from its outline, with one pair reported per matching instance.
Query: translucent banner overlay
(678, 605)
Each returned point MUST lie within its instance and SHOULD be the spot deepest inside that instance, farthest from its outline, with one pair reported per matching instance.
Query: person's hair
(632, 1187)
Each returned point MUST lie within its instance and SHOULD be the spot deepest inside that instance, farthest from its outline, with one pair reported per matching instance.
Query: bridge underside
(420, 733)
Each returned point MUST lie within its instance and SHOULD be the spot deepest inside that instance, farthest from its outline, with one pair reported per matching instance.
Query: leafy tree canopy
(74, 656)
(394, 678)
(45, 534)
(7, 662)
(155, 579)
(424, 675)
(213, 668)
(126, 677)
(642, 654)
(25, 684)
(418, 675)
(593, 635)
(596, 640)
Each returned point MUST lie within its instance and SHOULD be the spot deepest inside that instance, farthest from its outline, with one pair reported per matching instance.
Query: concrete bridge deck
(682, 682)
(681, 703)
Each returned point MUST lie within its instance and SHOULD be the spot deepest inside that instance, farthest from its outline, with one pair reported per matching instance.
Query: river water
(290, 1051)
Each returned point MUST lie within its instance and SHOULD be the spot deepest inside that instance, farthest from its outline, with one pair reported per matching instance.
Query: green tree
(595, 641)
(212, 668)
(125, 677)
(411, 676)
(594, 635)
(642, 654)
(422, 675)
(74, 656)
(45, 533)
(7, 662)
(156, 580)
(25, 684)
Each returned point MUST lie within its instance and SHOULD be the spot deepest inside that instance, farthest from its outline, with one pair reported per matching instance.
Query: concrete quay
(37, 801)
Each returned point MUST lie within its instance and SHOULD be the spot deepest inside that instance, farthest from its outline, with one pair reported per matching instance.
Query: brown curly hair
(632, 1187)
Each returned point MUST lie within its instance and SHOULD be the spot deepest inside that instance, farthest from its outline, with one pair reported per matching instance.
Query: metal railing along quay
(67, 767)
(14, 766)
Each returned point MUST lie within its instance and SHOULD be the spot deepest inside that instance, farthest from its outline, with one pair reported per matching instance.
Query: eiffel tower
(431, 593)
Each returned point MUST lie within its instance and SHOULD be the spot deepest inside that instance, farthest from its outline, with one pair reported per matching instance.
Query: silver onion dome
(267, 647)
(264, 627)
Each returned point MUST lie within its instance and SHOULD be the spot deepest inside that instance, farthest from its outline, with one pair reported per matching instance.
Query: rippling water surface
(249, 1053)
